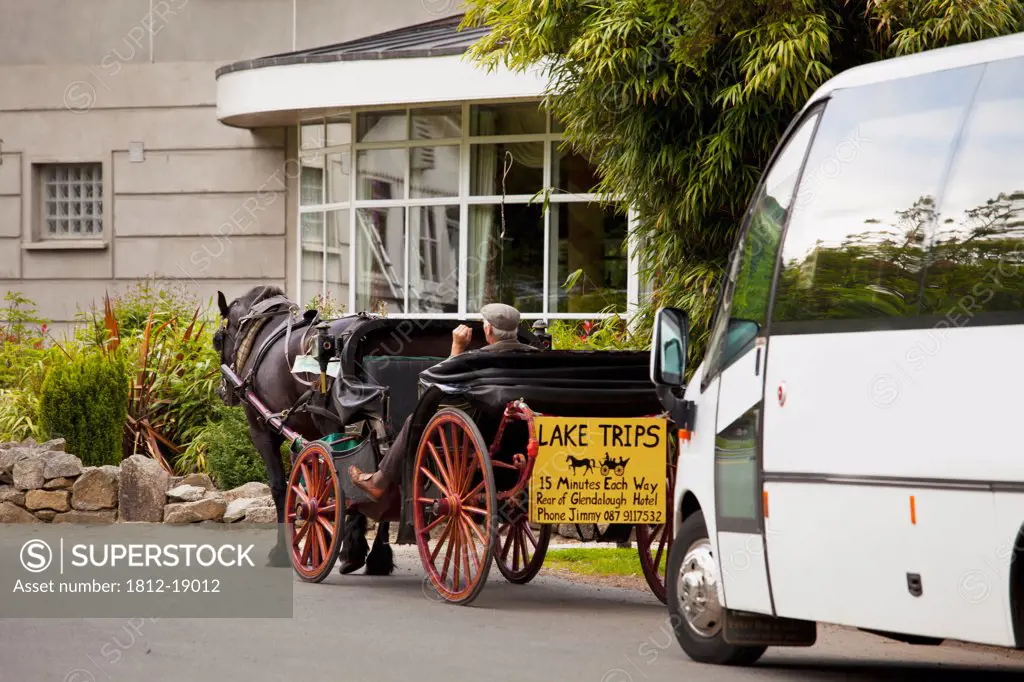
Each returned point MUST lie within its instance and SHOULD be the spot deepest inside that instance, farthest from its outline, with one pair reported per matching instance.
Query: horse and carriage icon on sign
(607, 466)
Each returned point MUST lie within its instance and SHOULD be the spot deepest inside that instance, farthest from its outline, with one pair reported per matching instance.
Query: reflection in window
(433, 260)
(437, 124)
(337, 256)
(339, 131)
(312, 269)
(379, 126)
(376, 166)
(380, 259)
(736, 484)
(311, 135)
(311, 180)
(434, 171)
(587, 239)
(978, 242)
(752, 266)
(857, 241)
(506, 168)
(507, 119)
(510, 270)
(339, 175)
(572, 172)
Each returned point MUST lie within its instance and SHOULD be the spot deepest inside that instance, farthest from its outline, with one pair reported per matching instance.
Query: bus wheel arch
(1017, 588)
(691, 581)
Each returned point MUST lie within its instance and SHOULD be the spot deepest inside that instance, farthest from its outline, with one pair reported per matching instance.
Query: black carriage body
(394, 368)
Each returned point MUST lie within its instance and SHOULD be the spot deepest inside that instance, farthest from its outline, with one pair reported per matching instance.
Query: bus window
(747, 290)
(977, 246)
(857, 241)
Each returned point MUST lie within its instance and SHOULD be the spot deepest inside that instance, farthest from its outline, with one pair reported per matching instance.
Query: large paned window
(857, 246)
(447, 208)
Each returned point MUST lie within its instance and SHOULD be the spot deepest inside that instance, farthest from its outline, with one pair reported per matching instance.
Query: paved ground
(361, 629)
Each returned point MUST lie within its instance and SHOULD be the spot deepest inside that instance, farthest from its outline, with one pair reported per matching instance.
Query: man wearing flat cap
(501, 324)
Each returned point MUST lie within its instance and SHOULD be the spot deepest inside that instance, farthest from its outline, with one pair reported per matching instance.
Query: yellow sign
(599, 470)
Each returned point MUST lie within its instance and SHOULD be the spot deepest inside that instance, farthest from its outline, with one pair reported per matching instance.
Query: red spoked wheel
(455, 506)
(314, 513)
(654, 541)
(518, 549)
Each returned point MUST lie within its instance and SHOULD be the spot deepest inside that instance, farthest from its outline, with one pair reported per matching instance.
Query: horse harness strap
(259, 315)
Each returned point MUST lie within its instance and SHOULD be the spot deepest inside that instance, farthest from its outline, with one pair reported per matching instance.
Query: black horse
(245, 326)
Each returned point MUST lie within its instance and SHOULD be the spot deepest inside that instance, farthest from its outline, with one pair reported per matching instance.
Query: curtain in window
(479, 283)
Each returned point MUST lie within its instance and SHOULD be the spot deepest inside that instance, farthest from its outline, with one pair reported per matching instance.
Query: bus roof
(940, 59)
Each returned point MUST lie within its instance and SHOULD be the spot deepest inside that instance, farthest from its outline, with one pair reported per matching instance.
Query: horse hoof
(381, 560)
(278, 558)
(350, 567)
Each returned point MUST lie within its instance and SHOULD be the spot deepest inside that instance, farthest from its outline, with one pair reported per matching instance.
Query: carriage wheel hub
(307, 510)
(447, 506)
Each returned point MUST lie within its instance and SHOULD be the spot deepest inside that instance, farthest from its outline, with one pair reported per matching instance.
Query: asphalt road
(357, 628)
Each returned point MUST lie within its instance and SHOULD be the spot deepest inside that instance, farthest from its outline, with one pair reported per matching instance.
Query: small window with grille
(72, 200)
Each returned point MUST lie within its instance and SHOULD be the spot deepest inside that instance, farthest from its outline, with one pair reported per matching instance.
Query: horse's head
(226, 338)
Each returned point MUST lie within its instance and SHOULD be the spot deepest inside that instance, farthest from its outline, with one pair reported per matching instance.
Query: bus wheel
(697, 614)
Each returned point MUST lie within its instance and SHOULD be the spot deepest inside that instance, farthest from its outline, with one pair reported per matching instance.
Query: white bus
(851, 453)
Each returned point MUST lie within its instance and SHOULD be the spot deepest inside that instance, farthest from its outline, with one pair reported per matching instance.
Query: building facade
(154, 138)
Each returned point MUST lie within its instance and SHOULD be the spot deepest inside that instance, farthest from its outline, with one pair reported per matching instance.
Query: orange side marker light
(765, 495)
(913, 511)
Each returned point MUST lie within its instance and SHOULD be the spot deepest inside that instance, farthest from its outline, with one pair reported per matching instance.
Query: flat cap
(501, 316)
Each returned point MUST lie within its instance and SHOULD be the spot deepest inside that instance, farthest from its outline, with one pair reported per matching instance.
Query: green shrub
(225, 450)
(85, 402)
(22, 337)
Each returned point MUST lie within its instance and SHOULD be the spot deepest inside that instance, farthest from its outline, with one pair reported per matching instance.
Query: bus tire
(696, 614)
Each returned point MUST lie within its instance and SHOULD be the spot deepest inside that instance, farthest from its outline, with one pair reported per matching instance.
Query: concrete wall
(210, 205)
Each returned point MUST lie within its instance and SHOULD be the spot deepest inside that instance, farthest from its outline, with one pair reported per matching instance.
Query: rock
(261, 515)
(91, 517)
(175, 481)
(8, 458)
(10, 513)
(186, 493)
(190, 512)
(59, 484)
(112, 470)
(201, 480)
(251, 489)
(46, 514)
(11, 494)
(61, 464)
(28, 473)
(215, 495)
(568, 530)
(30, 442)
(55, 444)
(57, 500)
(95, 489)
(142, 490)
(267, 501)
(237, 508)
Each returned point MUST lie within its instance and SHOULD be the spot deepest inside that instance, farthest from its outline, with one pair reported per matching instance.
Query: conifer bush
(85, 402)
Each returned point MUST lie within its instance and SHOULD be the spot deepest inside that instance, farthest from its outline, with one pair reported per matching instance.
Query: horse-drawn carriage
(471, 470)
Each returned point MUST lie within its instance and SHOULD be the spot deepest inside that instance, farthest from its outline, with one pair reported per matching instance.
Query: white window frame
(463, 199)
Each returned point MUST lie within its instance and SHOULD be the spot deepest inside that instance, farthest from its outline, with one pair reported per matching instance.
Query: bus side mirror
(668, 348)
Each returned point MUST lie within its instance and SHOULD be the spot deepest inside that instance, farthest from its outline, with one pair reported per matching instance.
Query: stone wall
(41, 483)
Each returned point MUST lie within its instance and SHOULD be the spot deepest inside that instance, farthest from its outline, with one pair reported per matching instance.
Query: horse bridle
(249, 326)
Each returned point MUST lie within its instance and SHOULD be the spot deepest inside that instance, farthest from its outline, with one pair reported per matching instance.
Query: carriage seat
(567, 383)
(401, 375)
